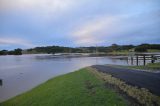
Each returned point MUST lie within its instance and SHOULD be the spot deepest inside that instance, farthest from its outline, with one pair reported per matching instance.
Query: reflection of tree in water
(96, 59)
(117, 60)
(55, 58)
(114, 60)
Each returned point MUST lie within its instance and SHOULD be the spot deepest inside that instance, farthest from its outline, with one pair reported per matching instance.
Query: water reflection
(21, 73)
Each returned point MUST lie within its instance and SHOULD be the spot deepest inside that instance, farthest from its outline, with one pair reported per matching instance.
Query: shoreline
(89, 90)
(110, 82)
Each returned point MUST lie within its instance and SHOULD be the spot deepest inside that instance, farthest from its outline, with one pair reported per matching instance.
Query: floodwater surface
(22, 73)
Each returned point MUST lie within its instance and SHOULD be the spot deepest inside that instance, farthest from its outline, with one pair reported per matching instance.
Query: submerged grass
(80, 88)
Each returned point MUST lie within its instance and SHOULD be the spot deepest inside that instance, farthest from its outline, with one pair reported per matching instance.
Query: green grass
(80, 88)
(122, 52)
(126, 52)
(142, 95)
(153, 50)
(150, 66)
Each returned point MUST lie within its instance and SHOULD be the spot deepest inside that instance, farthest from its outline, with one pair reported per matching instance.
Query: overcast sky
(31, 23)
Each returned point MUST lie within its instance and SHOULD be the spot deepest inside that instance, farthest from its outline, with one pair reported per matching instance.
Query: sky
(74, 23)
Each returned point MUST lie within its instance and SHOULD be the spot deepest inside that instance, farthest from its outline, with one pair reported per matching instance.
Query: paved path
(142, 79)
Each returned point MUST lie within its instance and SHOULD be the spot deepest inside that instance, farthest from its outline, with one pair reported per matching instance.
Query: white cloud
(91, 32)
(42, 5)
(15, 41)
(57, 18)
(112, 28)
(40, 11)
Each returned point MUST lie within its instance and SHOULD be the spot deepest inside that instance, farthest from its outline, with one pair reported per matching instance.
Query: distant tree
(154, 46)
(127, 47)
(140, 49)
(3, 52)
(115, 47)
(145, 47)
(11, 52)
(17, 51)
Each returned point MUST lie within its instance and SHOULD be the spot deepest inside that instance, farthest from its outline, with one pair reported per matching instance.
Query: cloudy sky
(30, 23)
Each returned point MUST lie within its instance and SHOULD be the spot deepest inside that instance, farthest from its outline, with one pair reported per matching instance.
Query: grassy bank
(119, 53)
(153, 50)
(149, 67)
(142, 95)
(80, 88)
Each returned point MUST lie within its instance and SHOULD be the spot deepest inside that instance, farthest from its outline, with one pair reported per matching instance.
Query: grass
(153, 50)
(122, 52)
(126, 52)
(142, 95)
(80, 88)
(150, 67)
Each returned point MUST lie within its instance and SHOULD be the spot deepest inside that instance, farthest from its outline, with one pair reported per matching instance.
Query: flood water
(22, 73)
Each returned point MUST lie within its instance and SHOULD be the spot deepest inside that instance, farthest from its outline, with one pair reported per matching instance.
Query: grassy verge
(122, 52)
(80, 88)
(142, 95)
(153, 50)
(149, 67)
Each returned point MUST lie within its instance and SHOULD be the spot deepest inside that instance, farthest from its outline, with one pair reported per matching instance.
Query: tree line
(12, 52)
(92, 49)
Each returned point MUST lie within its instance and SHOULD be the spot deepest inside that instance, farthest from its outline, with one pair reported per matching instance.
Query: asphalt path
(141, 79)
